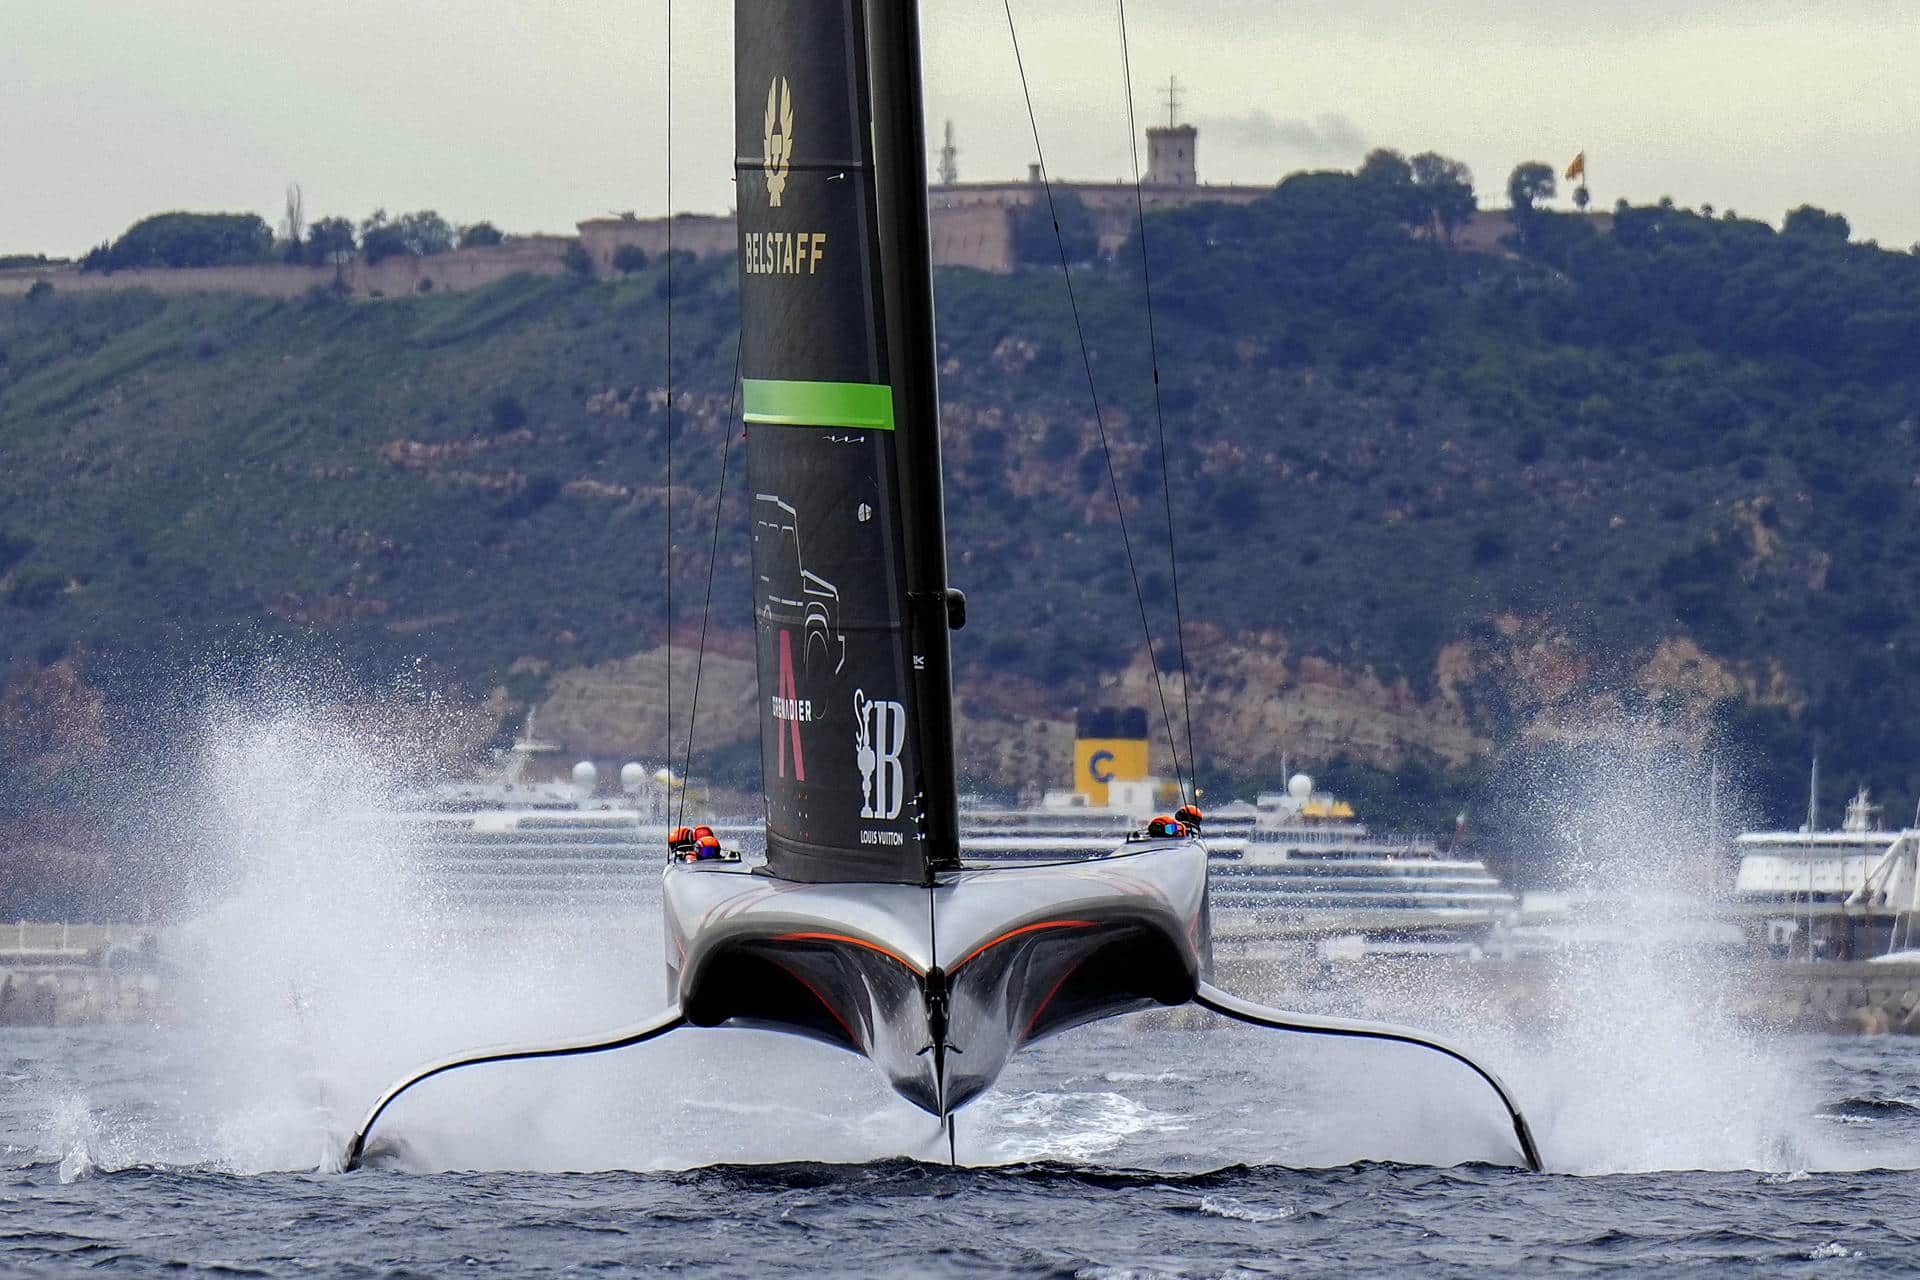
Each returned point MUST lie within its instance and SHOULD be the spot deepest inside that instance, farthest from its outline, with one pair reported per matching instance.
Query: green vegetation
(421, 234)
(479, 235)
(1034, 240)
(186, 240)
(1651, 425)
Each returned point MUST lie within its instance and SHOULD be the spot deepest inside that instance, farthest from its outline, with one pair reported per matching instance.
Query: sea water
(1108, 1152)
(318, 964)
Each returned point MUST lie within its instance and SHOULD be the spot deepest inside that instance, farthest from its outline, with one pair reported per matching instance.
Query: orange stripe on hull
(851, 941)
(1014, 933)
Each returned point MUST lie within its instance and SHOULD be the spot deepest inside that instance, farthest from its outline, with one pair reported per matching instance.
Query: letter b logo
(881, 734)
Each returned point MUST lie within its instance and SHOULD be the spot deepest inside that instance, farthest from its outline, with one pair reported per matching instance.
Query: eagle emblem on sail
(779, 138)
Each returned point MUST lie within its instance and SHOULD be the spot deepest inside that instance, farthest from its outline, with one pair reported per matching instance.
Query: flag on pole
(1578, 169)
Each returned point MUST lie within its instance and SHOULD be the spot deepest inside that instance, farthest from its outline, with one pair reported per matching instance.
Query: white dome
(631, 776)
(1300, 786)
(585, 776)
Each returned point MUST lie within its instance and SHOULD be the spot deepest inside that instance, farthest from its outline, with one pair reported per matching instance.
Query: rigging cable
(1159, 415)
(1099, 420)
(713, 558)
(669, 503)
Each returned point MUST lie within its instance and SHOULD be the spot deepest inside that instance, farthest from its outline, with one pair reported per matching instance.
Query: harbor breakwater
(114, 980)
(80, 996)
(1773, 997)
(77, 975)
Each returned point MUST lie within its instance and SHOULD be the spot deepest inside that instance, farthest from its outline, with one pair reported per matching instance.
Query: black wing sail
(849, 554)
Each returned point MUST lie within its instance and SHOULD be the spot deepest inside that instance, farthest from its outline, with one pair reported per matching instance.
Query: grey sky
(536, 113)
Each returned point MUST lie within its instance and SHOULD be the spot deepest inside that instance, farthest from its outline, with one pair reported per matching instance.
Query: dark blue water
(1122, 1151)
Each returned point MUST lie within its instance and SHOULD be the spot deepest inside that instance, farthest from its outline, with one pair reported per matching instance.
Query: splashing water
(323, 962)
(1626, 1036)
(1645, 1064)
(1625, 1044)
(320, 960)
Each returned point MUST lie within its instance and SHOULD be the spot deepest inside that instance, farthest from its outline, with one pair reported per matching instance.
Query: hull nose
(939, 986)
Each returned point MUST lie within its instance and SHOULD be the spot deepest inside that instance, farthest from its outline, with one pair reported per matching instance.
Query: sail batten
(842, 443)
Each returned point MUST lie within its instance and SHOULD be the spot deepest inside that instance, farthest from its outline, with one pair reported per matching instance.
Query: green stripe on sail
(819, 404)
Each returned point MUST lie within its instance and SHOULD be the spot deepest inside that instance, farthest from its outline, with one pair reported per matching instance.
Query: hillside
(1433, 508)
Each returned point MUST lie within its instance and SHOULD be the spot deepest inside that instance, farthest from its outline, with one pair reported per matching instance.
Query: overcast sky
(537, 113)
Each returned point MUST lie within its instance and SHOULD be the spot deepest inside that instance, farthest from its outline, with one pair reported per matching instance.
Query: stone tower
(1171, 146)
(1170, 155)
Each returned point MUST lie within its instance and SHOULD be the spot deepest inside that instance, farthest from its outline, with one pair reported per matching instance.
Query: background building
(973, 223)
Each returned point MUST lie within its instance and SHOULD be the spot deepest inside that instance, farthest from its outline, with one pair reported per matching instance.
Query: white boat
(1835, 894)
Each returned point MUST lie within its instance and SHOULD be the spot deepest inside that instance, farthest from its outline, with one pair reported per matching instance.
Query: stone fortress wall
(395, 277)
(972, 226)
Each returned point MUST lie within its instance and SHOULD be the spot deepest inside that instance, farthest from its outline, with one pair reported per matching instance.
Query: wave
(1871, 1108)
(1228, 1207)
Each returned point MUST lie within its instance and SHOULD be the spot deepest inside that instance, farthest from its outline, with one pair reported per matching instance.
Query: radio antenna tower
(949, 159)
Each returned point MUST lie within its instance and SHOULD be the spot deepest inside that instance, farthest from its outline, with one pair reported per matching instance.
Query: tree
(39, 289)
(1034, 241)
(425, 233)
(479, 235)
(1582, 197)
(187, 240)
(329, 242)
(381, 243)
(507, 413)
(1817, 224)
(1387, 167)
(1388, 177)
(35, 587)
(13, 549)
(1530, 183)
(629, 258)
(294, 225)
(1446, 190)
(578, 261)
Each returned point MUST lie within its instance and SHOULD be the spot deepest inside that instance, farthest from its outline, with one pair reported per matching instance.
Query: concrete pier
(1771, 996)
(78, 975)
(79, 996)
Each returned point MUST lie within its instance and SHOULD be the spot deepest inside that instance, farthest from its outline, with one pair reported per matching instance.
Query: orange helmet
(702, 831)
(1189, 813)
(680, 835)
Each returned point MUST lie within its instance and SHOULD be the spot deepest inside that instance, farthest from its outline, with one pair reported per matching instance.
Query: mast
(851, 607)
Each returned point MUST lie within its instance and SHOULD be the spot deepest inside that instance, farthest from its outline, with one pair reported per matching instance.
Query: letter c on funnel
(1097, 766)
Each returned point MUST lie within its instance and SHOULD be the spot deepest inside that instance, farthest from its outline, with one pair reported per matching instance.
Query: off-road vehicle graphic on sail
(793, 598)
(804, 594)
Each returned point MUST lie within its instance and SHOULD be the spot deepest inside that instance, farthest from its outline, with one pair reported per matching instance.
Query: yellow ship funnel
(1109, 745)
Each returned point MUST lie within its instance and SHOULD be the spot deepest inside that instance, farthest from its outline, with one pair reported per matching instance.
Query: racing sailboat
(864, 928)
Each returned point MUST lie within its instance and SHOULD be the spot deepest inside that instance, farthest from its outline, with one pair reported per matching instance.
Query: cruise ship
(534, 843)
(1292, 865)
(1295, 865)
(1829, 895)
